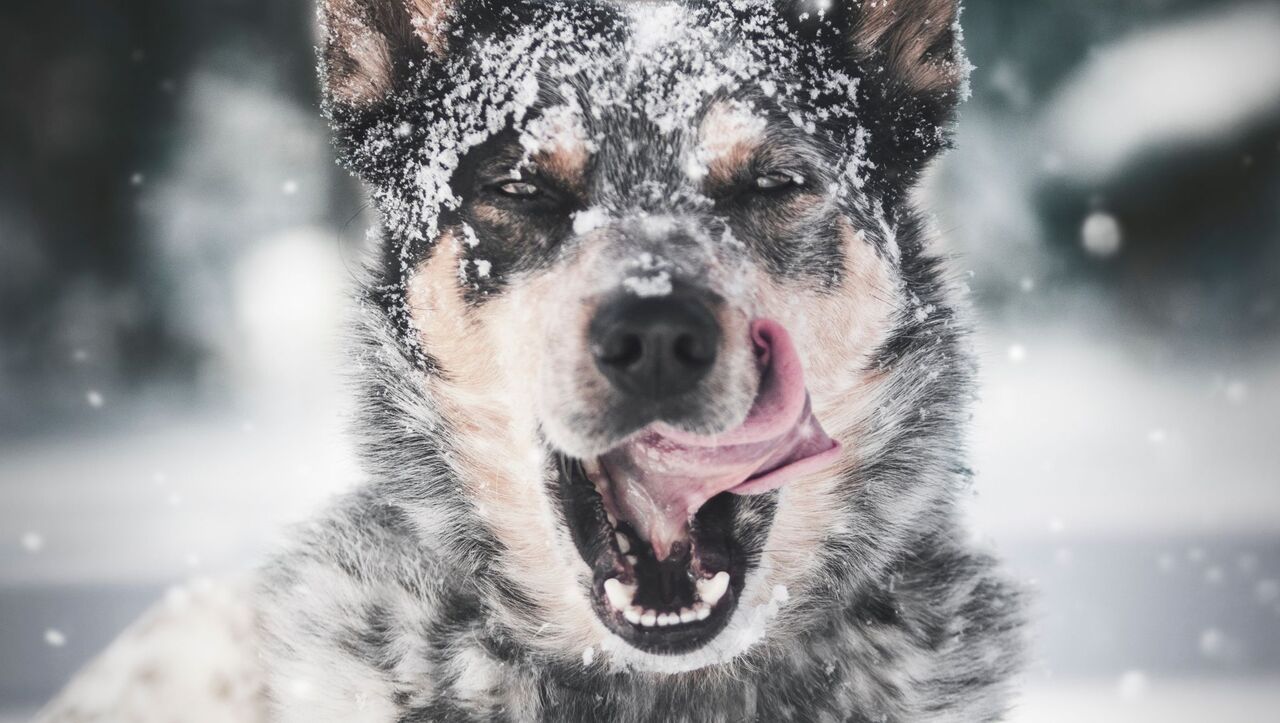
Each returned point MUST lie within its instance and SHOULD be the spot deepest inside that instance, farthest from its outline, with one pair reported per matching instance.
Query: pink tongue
(660, 479)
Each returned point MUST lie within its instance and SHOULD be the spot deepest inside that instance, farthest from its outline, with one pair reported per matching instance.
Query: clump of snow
(649, 275)
(654, 24)
(658, 284)
(588, 220)
(1101, 235)
(469, 236)
(588, 656)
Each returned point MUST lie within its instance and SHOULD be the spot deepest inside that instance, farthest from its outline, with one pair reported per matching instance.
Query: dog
(663, 392)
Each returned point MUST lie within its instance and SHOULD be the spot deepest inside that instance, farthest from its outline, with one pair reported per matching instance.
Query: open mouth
(659, 518)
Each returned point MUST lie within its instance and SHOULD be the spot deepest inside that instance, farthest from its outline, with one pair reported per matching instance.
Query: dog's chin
(665, 606)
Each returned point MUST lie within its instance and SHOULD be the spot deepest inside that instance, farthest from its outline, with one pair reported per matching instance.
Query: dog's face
(646, 256)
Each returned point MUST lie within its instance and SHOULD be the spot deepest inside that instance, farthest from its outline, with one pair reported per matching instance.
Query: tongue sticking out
(660, 479)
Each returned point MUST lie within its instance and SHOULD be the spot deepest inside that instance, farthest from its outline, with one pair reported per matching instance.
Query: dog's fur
(448, 588)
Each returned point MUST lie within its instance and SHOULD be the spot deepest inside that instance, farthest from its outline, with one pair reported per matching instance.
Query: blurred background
(176, 247)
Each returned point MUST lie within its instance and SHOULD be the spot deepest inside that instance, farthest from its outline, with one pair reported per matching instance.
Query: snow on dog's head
(644, 266)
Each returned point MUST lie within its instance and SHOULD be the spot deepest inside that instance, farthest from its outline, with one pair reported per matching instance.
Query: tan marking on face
(486, 392)
(904, 32)
(558, 145)
(566, 165)
(728, 138)
(837, 336)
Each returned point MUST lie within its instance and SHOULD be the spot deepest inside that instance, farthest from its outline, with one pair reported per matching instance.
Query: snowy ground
(1163, 701)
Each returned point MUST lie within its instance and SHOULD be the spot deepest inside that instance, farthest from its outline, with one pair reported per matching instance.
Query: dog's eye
(519, 189)
(778, 181)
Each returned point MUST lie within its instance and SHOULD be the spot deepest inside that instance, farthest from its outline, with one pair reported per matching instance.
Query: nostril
(621, 350)
(694, 350)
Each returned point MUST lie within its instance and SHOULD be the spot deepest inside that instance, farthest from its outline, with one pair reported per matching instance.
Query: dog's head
(651, 275)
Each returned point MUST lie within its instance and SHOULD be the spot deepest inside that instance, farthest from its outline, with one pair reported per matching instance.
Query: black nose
(654, 347)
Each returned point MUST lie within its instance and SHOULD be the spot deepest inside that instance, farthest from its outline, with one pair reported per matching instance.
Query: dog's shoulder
(344, 613)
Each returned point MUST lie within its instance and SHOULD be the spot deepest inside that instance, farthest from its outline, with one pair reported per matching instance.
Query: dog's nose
(654, 347)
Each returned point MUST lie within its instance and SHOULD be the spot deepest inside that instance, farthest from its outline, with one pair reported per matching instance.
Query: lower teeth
(710, 591)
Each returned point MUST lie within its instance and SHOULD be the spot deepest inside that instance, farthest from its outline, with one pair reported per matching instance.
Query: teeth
(710, 591)
(619, 594)
(613, 521)
(624, 545)
(653, 618)
(633, 560)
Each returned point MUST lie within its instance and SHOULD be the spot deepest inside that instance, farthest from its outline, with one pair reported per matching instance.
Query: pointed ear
(915, 42)
(364, 44)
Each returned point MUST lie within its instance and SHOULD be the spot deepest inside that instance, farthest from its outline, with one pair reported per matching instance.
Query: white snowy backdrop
(175, 246)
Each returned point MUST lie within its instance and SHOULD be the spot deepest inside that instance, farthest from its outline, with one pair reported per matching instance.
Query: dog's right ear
(366, 44)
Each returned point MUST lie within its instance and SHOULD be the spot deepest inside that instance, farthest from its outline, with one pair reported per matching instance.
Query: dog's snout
(653, 348)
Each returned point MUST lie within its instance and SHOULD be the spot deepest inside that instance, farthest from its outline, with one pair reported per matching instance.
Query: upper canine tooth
(624, 545)
(619, 594)
(710, 591)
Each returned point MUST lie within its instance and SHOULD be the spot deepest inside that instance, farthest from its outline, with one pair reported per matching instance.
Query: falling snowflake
(1133, 685)
(32, 542)
(1101, 235)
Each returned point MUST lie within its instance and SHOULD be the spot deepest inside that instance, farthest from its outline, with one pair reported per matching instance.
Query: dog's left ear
(909, 56)
(913, 42)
